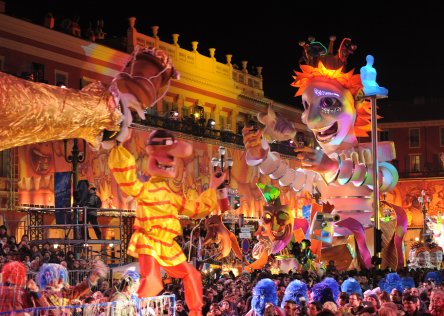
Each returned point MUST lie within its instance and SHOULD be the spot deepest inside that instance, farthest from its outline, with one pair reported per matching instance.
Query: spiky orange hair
(346, 79)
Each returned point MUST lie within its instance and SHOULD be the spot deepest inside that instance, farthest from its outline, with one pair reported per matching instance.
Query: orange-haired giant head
(330, 96)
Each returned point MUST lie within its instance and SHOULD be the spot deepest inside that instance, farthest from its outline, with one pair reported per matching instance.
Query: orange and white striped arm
(123, 166)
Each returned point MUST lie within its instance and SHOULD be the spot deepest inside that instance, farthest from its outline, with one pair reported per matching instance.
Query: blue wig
(435, 276)
(264, 292)
(294, 291)
(334, 286)
(322, 293)
(51, 274)
(351, 286)
(390, 282)
(407, 283)
(132, 274)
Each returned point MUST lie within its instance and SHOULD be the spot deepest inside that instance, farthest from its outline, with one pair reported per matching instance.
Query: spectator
(12, 243)
(94, 203)
(180, 308)
(214, 310)
(291, 308)
(373, 299)
(410, 305)
(355, 303)
(437, 302)
(35, 252)
(24, 248)
(313, 308)
(123, 295)
(3, 232)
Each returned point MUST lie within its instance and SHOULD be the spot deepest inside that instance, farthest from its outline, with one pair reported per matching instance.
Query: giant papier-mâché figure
(341, 170)
(157, 223)
(36, 112)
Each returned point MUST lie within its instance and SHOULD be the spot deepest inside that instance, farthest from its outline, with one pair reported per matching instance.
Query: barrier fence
(150, 306)
(75, 276)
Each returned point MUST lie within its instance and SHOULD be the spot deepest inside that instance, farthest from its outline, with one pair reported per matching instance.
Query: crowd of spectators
(230, 295)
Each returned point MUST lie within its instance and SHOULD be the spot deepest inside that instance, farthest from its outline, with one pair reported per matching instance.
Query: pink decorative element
(301, 223)
(358, 231)
(401, 228)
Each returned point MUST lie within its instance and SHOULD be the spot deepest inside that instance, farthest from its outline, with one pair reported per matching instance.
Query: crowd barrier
(150, 306)
(74, 276)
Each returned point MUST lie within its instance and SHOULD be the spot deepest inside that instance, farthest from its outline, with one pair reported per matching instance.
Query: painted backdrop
(39, 162)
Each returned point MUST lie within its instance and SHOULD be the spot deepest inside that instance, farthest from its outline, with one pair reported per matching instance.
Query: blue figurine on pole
(368, 79)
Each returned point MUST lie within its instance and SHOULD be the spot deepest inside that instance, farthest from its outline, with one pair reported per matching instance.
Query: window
(60, 78)
(441, 136)
(165, 107)
(415, 163)
(38, 72)
(222, 122)
(185, 111)
(414, 138)
(383, 136)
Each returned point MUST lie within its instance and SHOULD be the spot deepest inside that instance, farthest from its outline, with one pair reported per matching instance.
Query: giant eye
(329, 103)
(282, 217)
(267, 218)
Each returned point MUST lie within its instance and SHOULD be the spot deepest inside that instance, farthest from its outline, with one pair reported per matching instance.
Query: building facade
(208, 91)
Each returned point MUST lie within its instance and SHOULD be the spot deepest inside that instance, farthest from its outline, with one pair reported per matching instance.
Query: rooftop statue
(368, 79)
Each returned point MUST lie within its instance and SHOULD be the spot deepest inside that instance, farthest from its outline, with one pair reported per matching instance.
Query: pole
(377, 228)
(191, 239)
(75, 158)
(75, 181)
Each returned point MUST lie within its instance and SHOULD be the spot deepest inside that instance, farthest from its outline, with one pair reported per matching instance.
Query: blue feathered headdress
(294, 291)
(264, 292)
(407, 282)
(435, 276)
(334, 286)
(390, 282)
(322, 293)
(51, 274)
(351, 286)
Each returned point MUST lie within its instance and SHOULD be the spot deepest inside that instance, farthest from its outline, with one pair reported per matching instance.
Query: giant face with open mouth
(164, 150)
(278, 223)
(329, 112)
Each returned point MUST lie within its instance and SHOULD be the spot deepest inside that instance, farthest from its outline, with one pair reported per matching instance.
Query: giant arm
(348, 186)
(35, 112)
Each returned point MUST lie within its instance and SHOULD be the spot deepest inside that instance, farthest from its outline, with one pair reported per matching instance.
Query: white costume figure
(342, 169)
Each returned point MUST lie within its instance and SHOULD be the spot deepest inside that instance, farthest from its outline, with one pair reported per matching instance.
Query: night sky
(404, 40)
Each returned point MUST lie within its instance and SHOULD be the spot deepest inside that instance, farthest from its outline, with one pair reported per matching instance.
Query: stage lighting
(173, 115)
(211, 123)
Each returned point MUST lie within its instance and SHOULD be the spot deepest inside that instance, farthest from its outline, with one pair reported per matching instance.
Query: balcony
(199, 128)
(421, 174)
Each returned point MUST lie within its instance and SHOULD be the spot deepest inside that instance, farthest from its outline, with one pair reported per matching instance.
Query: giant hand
(35, 112)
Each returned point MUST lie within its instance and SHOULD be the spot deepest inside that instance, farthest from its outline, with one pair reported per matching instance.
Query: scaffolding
(73, 234)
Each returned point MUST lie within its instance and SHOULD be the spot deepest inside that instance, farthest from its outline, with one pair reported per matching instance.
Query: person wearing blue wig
(390, 282)
(434, 276)
(264, 292)
(296, 291)
(52, 279)
(334, 286)
(350, 286)
(321, 292)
